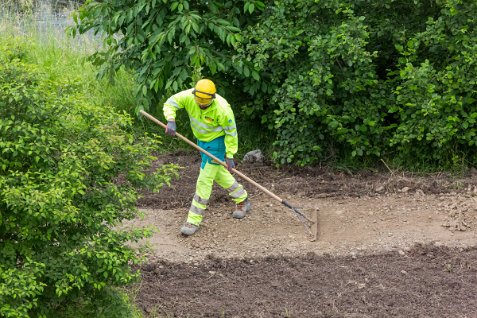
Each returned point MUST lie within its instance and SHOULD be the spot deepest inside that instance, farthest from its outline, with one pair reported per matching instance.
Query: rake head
(309, 225)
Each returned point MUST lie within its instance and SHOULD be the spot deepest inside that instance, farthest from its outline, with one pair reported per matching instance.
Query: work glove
(171, 128)
(230, 163)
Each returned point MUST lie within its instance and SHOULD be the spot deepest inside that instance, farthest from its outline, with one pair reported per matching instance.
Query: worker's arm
(170, 108)
(231, 137)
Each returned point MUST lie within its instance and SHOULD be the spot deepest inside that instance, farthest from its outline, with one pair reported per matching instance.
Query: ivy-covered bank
(70, 171)
(356, 81)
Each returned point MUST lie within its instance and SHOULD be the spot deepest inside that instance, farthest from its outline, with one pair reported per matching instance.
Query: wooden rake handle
(241, 175)
(303, 218)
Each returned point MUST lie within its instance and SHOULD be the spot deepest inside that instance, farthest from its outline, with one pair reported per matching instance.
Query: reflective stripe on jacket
(208, 124)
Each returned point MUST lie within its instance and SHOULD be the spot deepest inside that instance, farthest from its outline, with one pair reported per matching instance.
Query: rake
(309, 225)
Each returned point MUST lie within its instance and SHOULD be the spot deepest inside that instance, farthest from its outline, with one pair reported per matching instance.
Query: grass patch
(63, 56)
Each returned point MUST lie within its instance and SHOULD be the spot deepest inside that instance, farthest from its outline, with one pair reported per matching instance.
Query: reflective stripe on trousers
(208, 174)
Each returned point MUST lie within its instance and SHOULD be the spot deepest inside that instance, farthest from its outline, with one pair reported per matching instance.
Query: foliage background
(331, 81)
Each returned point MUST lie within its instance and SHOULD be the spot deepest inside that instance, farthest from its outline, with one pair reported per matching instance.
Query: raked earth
(389, 245)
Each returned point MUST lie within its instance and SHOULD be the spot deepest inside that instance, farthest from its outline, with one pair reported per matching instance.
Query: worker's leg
(236, 191)
(227, 181)
(208, 171)
(202, 193)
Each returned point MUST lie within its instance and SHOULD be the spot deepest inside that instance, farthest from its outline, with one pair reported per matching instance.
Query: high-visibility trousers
(210, 172)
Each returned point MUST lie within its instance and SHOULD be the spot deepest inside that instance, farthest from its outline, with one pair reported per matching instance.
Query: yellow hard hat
(204, 92)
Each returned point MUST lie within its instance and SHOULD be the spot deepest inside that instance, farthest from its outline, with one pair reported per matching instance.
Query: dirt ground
(388, 245)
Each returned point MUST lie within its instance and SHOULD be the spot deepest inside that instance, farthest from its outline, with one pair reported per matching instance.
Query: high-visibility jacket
(207, 124)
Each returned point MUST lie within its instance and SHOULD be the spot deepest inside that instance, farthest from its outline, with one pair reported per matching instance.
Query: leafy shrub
(366, 80)
(436, 90)
(169, 43)
(69, 174)
(320, 89)
(386, 79)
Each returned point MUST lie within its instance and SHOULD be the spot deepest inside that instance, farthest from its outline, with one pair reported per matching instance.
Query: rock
(473, 171)
(379, 189)
(254, 156)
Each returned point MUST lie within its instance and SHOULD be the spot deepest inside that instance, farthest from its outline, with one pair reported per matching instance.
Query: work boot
(189, 229)
(241, 209)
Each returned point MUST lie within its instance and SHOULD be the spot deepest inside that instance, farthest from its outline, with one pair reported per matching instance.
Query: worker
(213, 124)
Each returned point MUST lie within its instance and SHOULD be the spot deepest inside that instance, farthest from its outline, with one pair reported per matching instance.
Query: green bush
(391, 80)
(169, 44)
(69, 174)
(366, 81)
(436, 90)
(325, 89)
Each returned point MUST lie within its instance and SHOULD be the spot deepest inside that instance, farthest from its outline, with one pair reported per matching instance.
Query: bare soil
(389, 245)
